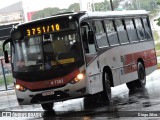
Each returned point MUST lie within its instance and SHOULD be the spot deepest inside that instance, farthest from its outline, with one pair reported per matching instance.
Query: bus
(73, 55)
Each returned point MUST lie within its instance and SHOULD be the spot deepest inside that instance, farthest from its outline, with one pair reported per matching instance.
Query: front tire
(47, 106)
(106, 94)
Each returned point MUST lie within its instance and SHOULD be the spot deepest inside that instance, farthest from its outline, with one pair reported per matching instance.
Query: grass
(156, 36)
(157, 46)
(9, 79)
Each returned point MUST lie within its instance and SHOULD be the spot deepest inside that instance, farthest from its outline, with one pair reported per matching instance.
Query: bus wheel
(47, 106)
(141, 82)
(106, 94)
(131, 85)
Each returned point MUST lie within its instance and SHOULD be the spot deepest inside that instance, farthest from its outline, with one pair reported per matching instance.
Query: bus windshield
(47, 51)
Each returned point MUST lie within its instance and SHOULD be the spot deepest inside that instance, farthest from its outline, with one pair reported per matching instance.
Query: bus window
(101, 37)
(147, 28)
(89, 48)
(140, 29)
(111, 32)
(132, 34)
(29, 53)
(122, 34)
(66, 45)
(84, 30)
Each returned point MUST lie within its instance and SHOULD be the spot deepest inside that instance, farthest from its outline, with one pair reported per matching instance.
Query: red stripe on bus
(150, 63)
(130, 60)
(48, 83)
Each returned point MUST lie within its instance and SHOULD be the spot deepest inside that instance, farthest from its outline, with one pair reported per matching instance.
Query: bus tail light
(20, 87)
(79, 77)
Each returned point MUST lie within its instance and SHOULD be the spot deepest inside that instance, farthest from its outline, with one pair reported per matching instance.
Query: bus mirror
(90, 37)
(6, 56)
(5, 51)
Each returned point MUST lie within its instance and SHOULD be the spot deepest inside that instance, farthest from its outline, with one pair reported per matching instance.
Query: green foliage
(158, 23)
(6, 48)
(157, 46)
(51, 11)
(156, 36)
(158, 2)
(45, 13)
(148, 5)
(74, 7)
(116, 3)
(102, 6)
(9, 79)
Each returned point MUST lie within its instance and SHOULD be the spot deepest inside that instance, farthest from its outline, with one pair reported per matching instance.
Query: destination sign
(43, 29)
(43, 26)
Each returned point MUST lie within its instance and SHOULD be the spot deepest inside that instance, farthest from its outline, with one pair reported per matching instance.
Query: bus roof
(83, 14)
(117, 13)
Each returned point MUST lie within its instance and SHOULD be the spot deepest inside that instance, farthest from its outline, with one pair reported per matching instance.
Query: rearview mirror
(90, 37)
(6, 58)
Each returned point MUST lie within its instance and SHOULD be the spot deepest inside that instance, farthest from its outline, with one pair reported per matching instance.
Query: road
(94, 108)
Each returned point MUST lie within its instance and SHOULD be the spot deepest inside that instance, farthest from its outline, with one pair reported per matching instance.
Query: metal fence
(6, 79)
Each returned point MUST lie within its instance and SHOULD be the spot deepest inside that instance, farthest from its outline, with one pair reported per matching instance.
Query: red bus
(73, 55)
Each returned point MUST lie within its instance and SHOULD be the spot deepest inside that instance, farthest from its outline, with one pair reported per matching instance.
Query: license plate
(48, 93)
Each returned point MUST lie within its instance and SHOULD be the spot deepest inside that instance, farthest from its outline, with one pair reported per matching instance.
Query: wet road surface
(123, 103)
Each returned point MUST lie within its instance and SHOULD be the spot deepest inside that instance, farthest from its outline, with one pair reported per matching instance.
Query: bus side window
(89, 48)
(84, 39)
(147, 28)
(111, 32)
(101, 37)
(140, 29)
(122, 34)
(132, 34)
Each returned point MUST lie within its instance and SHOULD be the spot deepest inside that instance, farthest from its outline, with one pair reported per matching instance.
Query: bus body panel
(69, 91)
(94, 77)
(125, 69)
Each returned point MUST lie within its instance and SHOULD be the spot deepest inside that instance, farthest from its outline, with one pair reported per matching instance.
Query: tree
(51, 11)
(116, 3)
(149, 5)
(45, 13)
(158, 2)
(101, 6)
(74, 7)
(158, 23)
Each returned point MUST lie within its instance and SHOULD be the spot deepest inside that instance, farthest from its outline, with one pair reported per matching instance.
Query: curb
(6, 93)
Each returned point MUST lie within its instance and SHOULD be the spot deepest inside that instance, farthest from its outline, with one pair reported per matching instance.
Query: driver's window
(89, 48)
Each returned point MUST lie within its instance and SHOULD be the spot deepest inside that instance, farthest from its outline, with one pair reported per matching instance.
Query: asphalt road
(125, 105)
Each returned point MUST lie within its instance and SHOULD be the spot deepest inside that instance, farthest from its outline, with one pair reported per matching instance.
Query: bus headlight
(20, 87)
(79, 77)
